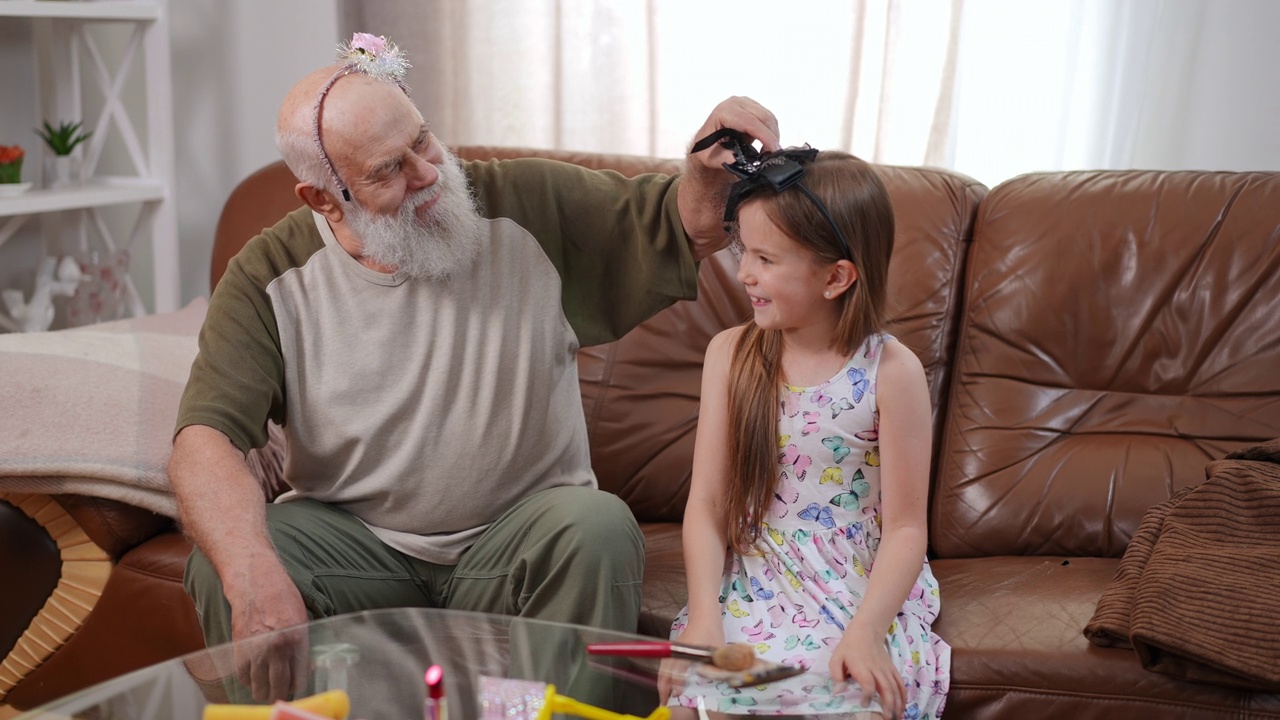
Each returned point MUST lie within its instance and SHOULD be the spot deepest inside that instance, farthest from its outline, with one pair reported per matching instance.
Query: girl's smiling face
(784, 281)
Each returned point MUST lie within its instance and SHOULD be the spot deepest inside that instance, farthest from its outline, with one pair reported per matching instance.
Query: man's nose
(422, 173)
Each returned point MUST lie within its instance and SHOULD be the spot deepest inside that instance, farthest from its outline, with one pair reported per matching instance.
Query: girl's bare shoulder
(899, 363)
(724, 342)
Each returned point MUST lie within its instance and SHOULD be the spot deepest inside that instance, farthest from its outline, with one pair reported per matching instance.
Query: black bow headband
(779, 170)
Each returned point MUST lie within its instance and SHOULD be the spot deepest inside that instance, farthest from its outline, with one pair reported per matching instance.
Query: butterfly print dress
(793, 597)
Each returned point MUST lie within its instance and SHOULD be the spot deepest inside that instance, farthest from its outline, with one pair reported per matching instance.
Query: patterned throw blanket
(1198, 589)
(90, 411)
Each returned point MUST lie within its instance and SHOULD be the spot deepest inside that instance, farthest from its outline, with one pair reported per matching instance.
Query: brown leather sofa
(1091, 340)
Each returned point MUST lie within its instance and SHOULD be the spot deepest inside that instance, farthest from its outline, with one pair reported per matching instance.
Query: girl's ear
(842, 276)
(320, 201)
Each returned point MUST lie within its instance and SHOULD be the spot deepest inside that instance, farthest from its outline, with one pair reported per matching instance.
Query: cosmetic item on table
(505, 699)
(735, 656)
(433, 706)
(332, 704)
(761, 672)
(284, 711)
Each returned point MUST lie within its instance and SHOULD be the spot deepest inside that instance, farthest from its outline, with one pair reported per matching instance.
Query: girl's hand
(864, 657)
(672, 671)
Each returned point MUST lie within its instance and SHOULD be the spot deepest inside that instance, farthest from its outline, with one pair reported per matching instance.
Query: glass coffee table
(378, 658)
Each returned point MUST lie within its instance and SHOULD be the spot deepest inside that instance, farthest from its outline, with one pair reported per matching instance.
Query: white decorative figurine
(37, 313)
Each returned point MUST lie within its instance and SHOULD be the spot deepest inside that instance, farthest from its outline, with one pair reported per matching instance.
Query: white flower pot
(61, 171)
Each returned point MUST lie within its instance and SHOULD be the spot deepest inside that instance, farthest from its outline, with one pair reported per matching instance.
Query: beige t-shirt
(427, 409)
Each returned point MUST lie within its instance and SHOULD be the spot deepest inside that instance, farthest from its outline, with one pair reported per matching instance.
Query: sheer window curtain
(991, 88)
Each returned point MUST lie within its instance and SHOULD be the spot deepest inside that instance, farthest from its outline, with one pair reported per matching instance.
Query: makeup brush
(735, 656)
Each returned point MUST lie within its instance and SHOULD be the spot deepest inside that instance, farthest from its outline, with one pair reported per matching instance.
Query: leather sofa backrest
(1121, 329)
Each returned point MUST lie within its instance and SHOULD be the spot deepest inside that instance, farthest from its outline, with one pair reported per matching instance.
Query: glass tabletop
(379, 657)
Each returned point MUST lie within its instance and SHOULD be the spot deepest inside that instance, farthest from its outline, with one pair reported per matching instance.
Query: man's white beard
(437, 248)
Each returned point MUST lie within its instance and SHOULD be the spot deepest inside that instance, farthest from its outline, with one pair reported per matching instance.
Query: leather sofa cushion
(1018, 650)
(1119, 333)
(665, 592)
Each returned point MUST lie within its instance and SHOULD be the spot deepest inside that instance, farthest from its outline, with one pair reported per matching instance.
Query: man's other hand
(272, 665)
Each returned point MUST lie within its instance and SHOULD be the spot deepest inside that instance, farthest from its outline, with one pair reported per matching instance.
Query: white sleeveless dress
(792, 598)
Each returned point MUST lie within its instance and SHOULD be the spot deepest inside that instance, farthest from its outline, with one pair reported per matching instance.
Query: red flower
(10, 153)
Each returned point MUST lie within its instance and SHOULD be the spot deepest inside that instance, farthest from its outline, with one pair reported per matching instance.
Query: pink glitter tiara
(372, 55)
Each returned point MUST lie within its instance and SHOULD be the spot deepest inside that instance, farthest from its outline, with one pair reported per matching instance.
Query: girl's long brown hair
(859, 204)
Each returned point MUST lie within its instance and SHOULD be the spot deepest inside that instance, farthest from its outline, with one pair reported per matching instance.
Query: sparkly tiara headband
(372, 55)
(779, 170)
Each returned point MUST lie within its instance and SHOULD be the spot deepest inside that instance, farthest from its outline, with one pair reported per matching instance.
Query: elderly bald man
(414, 329)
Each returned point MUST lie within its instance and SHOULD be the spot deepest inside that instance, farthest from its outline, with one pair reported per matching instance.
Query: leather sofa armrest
(119, 527)
(114, 526)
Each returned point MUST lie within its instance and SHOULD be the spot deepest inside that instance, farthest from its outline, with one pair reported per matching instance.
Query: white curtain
(991, 88)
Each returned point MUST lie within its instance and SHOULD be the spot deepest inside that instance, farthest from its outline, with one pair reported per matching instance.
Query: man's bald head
(350, 101)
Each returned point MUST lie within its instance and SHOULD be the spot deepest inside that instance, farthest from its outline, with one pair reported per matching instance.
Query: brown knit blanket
(1197, 593)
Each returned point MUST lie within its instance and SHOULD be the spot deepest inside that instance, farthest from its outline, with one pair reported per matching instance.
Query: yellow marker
(331, 704)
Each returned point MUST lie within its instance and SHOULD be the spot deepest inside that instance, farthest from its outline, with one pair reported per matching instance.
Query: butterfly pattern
(810, 423)
(839, 451)
(794, 594)
(799, 464)
(784, 496)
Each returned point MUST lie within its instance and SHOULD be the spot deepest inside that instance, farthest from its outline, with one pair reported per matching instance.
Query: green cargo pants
(567, 554)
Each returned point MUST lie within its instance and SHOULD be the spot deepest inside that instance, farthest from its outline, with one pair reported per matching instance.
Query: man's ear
(842, 276)
(319, 200)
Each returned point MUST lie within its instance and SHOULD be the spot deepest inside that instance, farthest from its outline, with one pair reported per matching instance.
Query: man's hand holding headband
(779, 171)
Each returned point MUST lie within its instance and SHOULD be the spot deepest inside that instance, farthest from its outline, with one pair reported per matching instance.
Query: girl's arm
(902, 395)
(704, 532)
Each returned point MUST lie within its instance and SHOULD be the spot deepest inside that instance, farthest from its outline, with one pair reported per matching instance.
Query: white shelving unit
(68, 61)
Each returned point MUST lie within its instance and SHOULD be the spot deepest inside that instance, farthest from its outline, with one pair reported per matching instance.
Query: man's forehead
(369, 62)
(357, 112)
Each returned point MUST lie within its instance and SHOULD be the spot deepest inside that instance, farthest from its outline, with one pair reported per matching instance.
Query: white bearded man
(414, 330)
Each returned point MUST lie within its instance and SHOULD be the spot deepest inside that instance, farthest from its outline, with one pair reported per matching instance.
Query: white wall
(233, 62)
(1221, 100)
(19, 114)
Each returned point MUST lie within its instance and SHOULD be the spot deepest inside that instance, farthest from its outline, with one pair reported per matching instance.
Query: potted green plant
(11, 170)
(61, 169)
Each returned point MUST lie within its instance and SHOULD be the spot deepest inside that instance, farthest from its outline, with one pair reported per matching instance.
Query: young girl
(805, 531)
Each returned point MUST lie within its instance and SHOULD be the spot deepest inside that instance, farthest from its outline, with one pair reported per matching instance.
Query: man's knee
(599, 527)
